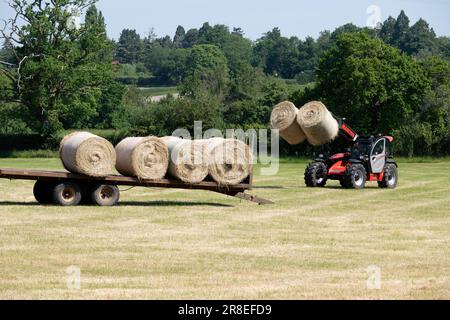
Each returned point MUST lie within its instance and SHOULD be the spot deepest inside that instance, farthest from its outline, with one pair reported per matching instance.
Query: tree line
(54, 77)
(288, 58)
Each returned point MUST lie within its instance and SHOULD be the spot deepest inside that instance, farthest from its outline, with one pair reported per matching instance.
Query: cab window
(379, 148)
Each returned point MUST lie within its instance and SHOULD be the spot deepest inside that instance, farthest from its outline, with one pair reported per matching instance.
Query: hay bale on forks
(145, 158)
(230, 160)
(188, 161)
(85, 153)
(284, 119)
(318, 123)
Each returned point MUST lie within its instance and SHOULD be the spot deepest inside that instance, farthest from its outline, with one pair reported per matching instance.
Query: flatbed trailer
(70, 189)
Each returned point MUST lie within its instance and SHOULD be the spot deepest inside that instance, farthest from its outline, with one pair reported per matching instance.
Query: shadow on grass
(171, 204)
(13, 203)
(342, 188)
(270, 187)
(127, 204)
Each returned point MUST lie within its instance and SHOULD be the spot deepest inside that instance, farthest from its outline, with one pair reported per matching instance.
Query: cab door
(378, 156)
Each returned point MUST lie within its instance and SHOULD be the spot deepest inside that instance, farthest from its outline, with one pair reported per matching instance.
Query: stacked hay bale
(226, 161)
(284, 119)
(317, 123)
(145, 158)
(188, 161)
(88, 154)
(312, 122)
(230, 160)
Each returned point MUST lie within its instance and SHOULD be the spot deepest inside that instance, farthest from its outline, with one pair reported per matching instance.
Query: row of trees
(275, 54)
(53, 76)
(166, 58)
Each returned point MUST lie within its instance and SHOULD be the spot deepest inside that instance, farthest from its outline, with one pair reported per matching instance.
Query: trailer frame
(238, 191)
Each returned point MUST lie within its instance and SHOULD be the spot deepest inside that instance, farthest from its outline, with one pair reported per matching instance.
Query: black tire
(43, 192)
(390, 179)
(105, 195)
(67, 194)
(355, 177)
(316, 175)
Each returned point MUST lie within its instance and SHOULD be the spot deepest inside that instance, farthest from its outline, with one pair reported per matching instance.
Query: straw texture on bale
(317, 123)
(188, 161)
(230, 160)
(145, 158)
(85, 153)
(284, 118)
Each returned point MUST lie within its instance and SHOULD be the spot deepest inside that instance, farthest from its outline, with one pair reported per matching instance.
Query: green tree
(443, 43)
(111, 112)
(167, 65)
(346, 28)
(59, 78)
(435, 109)
(401, 33)
(191, 38)
(178, 39)
(422, 39)
(237, 49)
(277, 55)
(207, 72)
(129, 47)
(372, 84)
(245, 82)
(387, 30)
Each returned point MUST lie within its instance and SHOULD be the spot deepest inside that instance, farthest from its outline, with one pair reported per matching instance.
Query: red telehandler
(361, 159)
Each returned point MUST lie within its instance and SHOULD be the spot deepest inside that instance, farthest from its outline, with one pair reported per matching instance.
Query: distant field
(158, 91)
(175, 244)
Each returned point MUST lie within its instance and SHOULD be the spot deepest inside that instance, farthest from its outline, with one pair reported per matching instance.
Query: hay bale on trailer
(284, 119)
(188, 161)
(230, 160)
(85, 153)
(317, 123)
(145, 158)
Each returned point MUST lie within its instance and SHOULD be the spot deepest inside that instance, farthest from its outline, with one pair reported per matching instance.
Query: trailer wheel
(42, 192)
(105, 195)
(67, 194)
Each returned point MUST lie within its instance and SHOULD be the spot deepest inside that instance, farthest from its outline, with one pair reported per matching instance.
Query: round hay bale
(318, 123)
(188, 161)
(284, 119)
(144, 158)
(85, 153)
(230, 160)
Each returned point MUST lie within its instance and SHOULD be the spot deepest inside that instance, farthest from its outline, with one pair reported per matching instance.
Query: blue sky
(293, 17)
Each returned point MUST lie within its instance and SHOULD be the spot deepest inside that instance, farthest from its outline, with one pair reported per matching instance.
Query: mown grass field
(174, 244)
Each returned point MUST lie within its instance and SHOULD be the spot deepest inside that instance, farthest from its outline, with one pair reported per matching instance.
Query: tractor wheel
(42, 191)
(105, 195)
(67, 194)
(355, 177)
(390, 179)
(316, 175)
